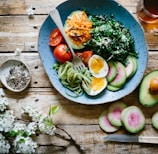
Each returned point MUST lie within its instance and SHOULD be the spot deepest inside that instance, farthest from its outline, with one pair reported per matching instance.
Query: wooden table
(17, 30)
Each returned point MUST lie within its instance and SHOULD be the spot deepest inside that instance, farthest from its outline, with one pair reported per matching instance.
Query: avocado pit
(153, 86)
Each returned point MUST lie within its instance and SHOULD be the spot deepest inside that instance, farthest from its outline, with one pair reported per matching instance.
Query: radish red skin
(105, 124)
(112, 71)
(133, 119)
(120, 78)
(114, 113)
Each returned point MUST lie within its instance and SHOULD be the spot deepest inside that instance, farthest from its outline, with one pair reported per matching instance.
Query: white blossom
(21, 132)
(18, 52)
(19, 127)
(3, 104)
(31, 128)
(6, 120)
(44, 122)
(32, 112)
(24, 145)
(4, 145)
(46, 125)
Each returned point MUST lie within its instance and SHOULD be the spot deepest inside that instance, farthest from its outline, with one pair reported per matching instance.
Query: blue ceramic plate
(95, 7)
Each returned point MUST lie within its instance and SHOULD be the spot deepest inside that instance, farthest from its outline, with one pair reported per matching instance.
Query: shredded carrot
(79, 27)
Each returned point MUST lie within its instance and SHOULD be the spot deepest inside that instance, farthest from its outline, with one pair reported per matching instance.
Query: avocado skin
(145, 97)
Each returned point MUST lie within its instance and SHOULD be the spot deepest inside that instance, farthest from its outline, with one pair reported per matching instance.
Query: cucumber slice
(114, 113)
(133, 119)
(105, 124)
(112, 71)
(154, 120)
(120, 78)
(112, 88)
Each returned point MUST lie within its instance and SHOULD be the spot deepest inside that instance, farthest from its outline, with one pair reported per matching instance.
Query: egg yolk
(97, 83)
(96, 64)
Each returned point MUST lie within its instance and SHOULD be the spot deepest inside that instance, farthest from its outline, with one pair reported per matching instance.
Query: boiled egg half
(96, 86)
(98, 66)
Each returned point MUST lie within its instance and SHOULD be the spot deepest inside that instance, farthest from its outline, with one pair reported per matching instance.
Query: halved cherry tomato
(62, 54)
(85, 56)
(55, 37)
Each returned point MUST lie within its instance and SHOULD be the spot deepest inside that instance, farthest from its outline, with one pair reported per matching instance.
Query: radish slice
(114, 113)
(105, 124)
(154, 120)
(133, 119)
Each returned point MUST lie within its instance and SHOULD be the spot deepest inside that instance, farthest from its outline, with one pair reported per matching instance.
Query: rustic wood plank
(16, 7)
(17, 30)
(70, 112)
(38, 74)
(32, 60)
(13, 35)
(91, 141)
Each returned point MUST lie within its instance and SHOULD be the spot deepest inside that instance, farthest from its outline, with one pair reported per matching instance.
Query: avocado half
(145, 97)
(74, 46)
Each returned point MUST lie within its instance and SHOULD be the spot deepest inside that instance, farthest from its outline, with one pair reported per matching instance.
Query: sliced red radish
(120, 78)
(112, 71)
(133, 119)
(154, 120)
(114, 113)
(105, 124)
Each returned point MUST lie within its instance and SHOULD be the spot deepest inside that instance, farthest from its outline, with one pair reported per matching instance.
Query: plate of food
(110, 43)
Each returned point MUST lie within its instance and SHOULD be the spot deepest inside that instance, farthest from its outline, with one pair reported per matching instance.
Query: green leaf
(55, 109)
(25, 134)
(22, 140)
(12, 133)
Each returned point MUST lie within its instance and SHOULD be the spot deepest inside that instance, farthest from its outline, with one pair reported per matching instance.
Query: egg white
(98, 66)
(97, 86)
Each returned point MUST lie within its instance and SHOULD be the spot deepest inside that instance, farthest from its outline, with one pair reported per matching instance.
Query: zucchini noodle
(76, 81)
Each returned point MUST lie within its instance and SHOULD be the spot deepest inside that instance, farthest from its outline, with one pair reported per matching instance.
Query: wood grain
(17, 30)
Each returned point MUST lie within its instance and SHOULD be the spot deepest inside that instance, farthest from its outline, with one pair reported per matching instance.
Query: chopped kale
(110, 39)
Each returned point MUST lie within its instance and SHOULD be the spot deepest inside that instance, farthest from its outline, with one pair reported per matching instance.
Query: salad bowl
(104, 7)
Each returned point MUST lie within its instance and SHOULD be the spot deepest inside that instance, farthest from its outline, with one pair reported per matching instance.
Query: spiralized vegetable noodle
(72, 79)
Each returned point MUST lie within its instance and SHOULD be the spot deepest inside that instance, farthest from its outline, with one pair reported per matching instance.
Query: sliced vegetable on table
(120, 115)
(133, 119)
(154, 120)
(105, 124)
(148, 91)
(114, 113)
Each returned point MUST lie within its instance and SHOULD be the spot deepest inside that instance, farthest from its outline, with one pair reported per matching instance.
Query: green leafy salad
(110, 39)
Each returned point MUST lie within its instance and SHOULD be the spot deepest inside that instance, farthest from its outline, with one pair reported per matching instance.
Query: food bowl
(104, 7)
(15, 75)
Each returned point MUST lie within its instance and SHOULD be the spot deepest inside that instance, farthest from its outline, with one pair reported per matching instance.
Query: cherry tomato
(154, 85)
(85, 56)
(55, 37)
(62, 54)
